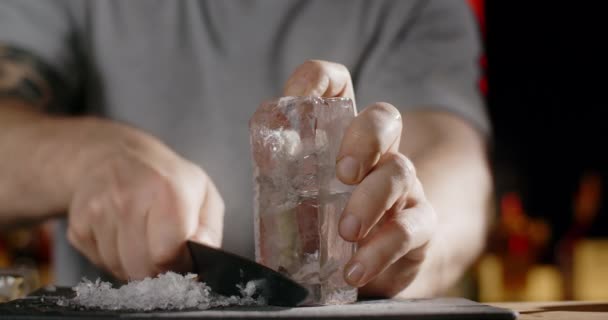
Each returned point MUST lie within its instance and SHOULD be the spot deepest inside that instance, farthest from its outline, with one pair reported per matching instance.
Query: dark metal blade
(223, 271)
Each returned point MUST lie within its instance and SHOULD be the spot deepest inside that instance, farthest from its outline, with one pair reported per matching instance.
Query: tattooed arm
(31, 161)
(24, 77)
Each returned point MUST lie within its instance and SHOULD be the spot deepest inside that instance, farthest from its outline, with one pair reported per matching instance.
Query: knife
(224, 272)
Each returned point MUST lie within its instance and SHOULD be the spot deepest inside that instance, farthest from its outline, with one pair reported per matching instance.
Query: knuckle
(120, 201)
(402, 173)
(198, 172)
(405, 232)
(386, 109)
(337, 67)
(161, 182)
(201, 181)
(402, 165)
(164, 186)
(93, 208)
(310, 68)
(379, 124)
(314, 63)
(321, 67)
(343, 68)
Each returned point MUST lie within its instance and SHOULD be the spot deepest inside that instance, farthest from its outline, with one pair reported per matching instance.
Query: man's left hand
(388, 214)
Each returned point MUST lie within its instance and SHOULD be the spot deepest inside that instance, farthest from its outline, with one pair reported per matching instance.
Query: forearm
(33, 156)
(45, 157)
(451, 163)
(35, 166)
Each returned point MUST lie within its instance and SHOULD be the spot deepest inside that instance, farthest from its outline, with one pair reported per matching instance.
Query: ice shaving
(167, 291)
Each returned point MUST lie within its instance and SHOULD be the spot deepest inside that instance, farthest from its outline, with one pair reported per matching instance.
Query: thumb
(320, 78)
(211, 218)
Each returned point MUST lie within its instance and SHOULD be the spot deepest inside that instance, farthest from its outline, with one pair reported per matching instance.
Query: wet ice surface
(168, 291)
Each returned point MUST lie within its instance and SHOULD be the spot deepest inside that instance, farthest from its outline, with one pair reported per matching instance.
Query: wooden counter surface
(562, 310)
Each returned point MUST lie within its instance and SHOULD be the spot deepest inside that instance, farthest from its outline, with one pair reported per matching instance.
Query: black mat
(43, 305)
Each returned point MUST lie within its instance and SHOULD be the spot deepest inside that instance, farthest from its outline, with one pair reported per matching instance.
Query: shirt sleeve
(44, 30)
(427, 59)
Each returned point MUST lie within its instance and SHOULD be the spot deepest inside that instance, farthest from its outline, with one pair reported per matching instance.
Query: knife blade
(223, 272)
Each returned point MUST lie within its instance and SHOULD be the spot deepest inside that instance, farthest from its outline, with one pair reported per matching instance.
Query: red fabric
(478, 9)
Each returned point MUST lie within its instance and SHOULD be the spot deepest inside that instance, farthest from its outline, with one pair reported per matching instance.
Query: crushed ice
(168, 291)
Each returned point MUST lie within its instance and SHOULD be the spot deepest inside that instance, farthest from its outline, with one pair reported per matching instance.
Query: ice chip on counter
(251, 287)
(168, 291)
(11, 287)
(299, 200)
(18, 281)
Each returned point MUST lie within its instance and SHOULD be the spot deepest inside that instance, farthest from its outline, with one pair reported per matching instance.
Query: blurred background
(544, 84)
(545, 70)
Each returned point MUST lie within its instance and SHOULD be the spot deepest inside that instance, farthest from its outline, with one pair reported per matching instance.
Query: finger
(377, 193)
(374, 132)
(132, 247)
(106, 237)
(171, 221)
(85, 243)
(407, 230)
(102, 213)
(211, 219)
(397, 277)
(320, 78)
(80, 233)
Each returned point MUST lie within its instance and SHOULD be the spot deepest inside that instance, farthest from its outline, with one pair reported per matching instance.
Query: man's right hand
(135, 203)
(132, 201)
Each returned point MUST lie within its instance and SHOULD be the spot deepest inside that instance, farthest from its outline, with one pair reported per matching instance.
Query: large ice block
(298, 199)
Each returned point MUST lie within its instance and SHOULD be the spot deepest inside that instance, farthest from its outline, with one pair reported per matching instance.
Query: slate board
(42, 305)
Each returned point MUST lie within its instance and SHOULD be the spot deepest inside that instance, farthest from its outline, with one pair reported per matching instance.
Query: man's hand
(388, 214)
(136, 203)
(132, 202)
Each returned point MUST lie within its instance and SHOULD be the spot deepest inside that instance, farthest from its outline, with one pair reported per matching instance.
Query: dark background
(547, 87)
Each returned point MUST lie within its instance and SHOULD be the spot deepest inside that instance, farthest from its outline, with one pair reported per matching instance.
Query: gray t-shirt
(192, 72)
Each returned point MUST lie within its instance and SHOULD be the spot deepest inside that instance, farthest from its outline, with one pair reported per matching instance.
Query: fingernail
(348, 169)
(350, 227)
(355, 272)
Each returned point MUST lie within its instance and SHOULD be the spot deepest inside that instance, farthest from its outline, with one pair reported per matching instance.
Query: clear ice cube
(299, 200)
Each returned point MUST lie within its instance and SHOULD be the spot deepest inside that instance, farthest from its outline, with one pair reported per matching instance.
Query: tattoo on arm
(24, 76)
